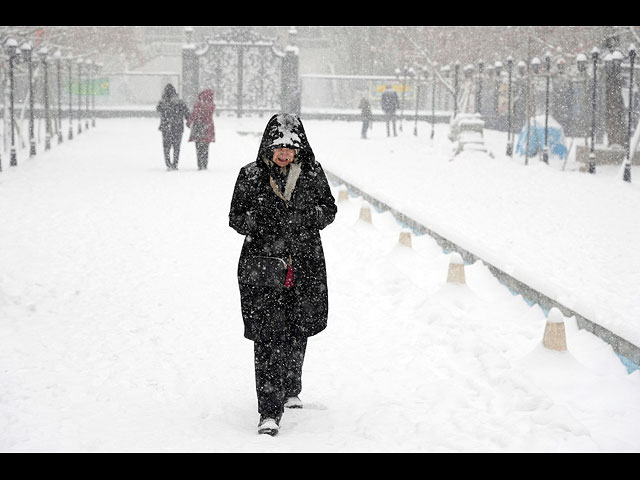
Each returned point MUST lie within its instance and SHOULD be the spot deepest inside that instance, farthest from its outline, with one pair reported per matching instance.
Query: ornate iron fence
(247, 71)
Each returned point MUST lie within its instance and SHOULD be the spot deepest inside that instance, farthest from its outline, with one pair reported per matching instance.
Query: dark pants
(202, 152)
(171, 140)
(390, 117)
(365, 127)
(278, 373)
(279, 356)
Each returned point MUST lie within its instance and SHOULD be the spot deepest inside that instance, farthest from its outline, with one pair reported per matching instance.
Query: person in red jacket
(201, 124)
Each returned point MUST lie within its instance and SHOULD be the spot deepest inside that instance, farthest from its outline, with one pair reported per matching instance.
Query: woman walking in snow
(173, 112)
(202, 129)
(281, 202)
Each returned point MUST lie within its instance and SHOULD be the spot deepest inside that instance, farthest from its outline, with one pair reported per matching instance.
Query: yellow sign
(380, 88)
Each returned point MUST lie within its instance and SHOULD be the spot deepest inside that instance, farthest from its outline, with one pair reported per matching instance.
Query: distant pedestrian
(367, 115)
(173, 112)
(202, 129)
(390, 104)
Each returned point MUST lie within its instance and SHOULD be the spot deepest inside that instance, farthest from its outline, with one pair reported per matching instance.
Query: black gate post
(190, 70)
(290, 80)
(239, 91)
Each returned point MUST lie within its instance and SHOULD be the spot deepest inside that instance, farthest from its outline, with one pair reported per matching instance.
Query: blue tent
(555, 138)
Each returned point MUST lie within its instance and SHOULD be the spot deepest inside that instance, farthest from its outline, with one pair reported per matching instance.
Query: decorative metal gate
(244, 69)
(247, 72)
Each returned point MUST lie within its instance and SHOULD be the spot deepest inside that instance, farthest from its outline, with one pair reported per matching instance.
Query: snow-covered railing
(629, 353)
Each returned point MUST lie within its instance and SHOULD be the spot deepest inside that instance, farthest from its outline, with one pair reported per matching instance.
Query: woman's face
(283, 156)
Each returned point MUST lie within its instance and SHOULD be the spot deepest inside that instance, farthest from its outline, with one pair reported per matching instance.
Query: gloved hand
(250, 221)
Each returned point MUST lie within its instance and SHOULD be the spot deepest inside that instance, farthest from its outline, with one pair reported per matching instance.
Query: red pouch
(288, 283)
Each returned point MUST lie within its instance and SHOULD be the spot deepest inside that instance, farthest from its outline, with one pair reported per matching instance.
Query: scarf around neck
(290, 183)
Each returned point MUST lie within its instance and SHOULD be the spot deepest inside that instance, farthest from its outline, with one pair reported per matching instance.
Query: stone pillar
(190, 70)
(365, 214)
(554, 333)
(615, 113)
(456, 269)
(405, 239)
(290, 77)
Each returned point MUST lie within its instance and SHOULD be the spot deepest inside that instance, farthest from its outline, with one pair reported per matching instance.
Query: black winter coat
(365, 109)
(173, 113)
(275, 228)
(390, 101)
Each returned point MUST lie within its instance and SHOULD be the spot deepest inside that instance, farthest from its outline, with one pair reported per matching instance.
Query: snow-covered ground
(575, 237)
(120, 315)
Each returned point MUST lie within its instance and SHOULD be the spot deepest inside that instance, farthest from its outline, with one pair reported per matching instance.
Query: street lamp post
(70, 79)
(80, 62)
(545, 152)
(509, 135)
(97, 66)
(417, 89)
(455, 89)
(405, 76)
(26, 53)
(58, 58)
(416, 75)
(89, 64)
(535, 66)
(581, 63)
(522, 68)
(627, 164)
(402, 74)
(433, 99)
(12, 47)
(523, 93)
(592, 155)
(497, 66)
(43, 53)
(479, 89)
(444, 99)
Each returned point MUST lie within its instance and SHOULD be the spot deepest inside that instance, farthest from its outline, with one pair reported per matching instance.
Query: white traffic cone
(343, 196)
(405, 239)
(365, 214)
(554, 332)
(456, 269)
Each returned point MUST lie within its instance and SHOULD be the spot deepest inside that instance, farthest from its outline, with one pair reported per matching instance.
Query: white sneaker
(293, 402)
(269, 426)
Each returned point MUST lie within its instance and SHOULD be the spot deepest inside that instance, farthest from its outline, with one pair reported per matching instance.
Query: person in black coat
(366, 114)
(390, 104)
(281, 202)
(173, 113)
